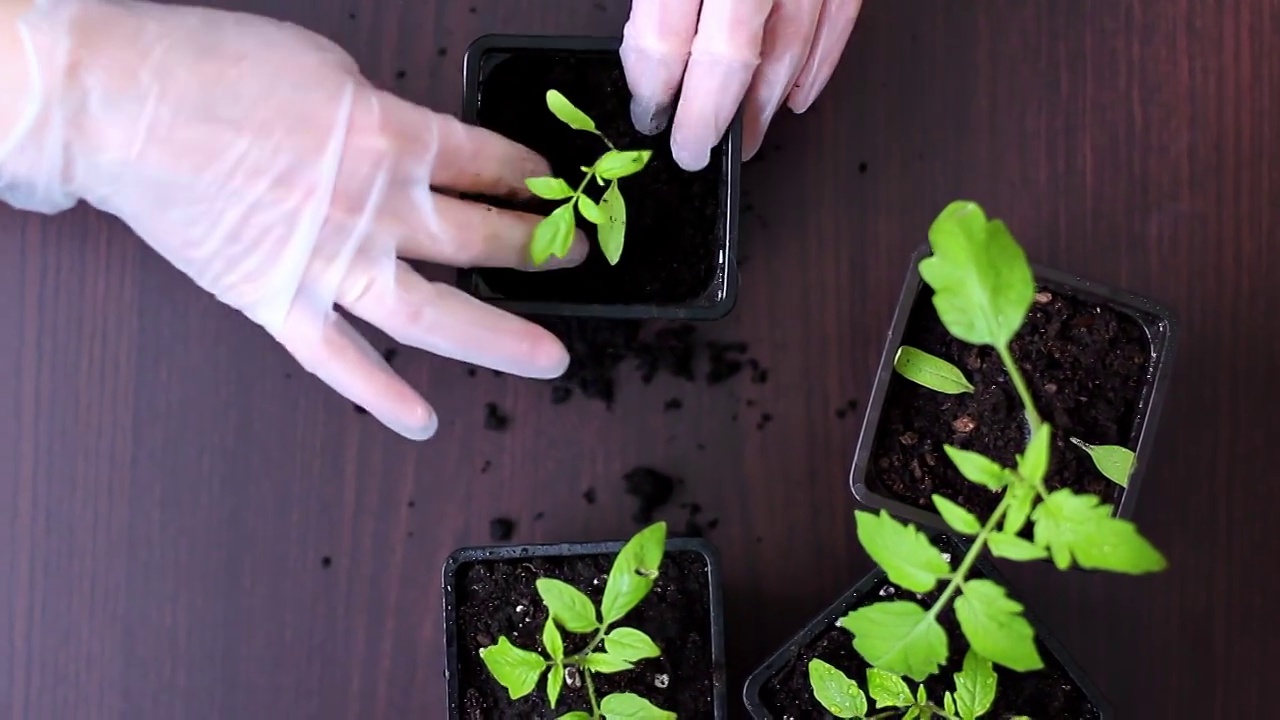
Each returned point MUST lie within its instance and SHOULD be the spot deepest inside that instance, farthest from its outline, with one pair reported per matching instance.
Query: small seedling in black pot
(986, 350)
(587, 632)
(568, 100)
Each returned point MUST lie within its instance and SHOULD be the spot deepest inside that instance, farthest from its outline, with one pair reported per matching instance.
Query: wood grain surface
(171, 483)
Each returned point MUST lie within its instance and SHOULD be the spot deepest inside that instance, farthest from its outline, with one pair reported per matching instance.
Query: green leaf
(898, 637)
(568, 605)
(949, 703)
(613, 225)
(1113, 461)
(630, 644)
(590, 210)
(960, 520)
(1012, 547)
(994, 625)
(912, 714)
(930, 371)
(575, 715)
(975, 687)
(887, 689)
(555, 683)
(516, 669)
(605, 663)
(1080, 527)
(983, 286)
(553, 236)
(835, 691)
(1021, 497)
(977, 468)
(628, 706)
(568, 113)
(633, 572)
(905, 553)
(922, 698)
(549, 188)
(552, 641)
(617, 164)
(1033, 464)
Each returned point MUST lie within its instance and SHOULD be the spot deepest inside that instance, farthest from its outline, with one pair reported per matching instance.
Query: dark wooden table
(191, 528)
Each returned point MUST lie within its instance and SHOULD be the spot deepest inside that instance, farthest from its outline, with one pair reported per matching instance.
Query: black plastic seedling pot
(490, 593)
(780, 688)
(679, 257)
(1098, 364)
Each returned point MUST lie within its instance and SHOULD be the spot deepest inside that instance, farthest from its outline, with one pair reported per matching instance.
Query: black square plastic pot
(679, 259)
(792, 658)
(698, 554)
(1156, 323)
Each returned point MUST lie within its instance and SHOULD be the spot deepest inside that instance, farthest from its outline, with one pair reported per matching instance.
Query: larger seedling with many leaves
(554, 235)
(611, 648)
(983, 290)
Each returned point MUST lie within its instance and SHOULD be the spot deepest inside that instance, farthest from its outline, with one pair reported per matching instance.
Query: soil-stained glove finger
(655, 49)
(834, 27)
(787, 40)
(724, 58)
(443, 320)
(328, 347)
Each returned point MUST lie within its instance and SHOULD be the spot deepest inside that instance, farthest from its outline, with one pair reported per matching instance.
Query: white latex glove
(253, 156)
(722, 52)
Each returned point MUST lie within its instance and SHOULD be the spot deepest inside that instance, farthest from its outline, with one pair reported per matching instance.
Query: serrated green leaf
(553, 235)
(549, 188)
(898, 637)
(983, 286)
(552, 641)
(568, 605)
(1021, 497)
(930, 371)
(633, 572)
(949, 703)
(617, 164)
(575, 715)
(834, 690)
(613, 225)
(960, 520)
(887, 689)
(603, 662)
(555, 683)
(1012, 547)
(1113, 461)
(1080, 528)
(975, 687)
(628, 706)
(995, 628)
(568, 113)
(590, 210)
(516, 669)
(1033, 464)
(630, 644)
(977, 468)
(905, 553)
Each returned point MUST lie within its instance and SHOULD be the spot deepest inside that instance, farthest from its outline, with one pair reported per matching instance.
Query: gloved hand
(766, 51)
(253, 156)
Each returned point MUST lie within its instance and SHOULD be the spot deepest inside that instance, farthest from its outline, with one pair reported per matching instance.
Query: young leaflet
(554, 235)
(840, 695)
(630, 579)
(983, 290)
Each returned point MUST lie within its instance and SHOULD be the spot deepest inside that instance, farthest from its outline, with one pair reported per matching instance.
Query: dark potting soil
(1046, 693)
(1086, 366)
(652, 490)
(672, 246)
(499, 599)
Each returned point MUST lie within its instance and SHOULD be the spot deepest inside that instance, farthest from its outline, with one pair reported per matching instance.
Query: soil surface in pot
(1087, 366)
(1047, 693)
(673, 217)
(499, 598)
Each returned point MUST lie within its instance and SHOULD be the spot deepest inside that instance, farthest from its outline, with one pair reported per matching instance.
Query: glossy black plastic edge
(828, 617)
(463, 556)
(724, 289)
(1162, 332)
